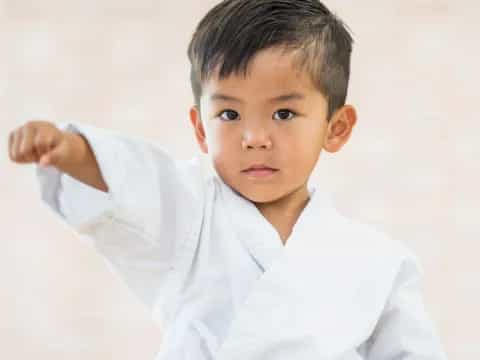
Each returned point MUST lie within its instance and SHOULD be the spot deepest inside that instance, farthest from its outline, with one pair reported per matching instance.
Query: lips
(259, 172)
(259, 167)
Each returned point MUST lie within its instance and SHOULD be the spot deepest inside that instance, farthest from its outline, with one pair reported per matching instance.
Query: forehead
(270, 72)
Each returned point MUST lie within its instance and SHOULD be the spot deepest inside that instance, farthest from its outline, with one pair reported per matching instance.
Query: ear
(198, 129)
(339, 128)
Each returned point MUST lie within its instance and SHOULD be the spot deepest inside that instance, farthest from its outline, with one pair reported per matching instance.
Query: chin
(259, 196)
(259, 193)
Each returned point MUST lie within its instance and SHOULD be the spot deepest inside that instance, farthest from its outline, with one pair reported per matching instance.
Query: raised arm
(146, 224)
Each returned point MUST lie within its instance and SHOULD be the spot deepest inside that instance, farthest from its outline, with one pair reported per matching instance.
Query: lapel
(250, 226)
(258, 235)
(320, 294)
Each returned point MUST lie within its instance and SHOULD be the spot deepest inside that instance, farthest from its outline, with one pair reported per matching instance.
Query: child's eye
(231, 114)
(283, 113)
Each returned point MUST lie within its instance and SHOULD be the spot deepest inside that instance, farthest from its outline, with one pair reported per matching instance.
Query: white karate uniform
(216, 276)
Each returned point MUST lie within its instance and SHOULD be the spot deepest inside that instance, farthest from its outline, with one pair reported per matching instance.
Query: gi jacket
(216, 276)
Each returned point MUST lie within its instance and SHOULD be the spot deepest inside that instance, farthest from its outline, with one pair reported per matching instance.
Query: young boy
(248, 261)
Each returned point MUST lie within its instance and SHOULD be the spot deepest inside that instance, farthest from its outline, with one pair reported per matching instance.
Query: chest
(244, 294)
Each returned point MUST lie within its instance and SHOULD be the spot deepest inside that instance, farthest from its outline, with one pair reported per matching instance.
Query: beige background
(411, 166)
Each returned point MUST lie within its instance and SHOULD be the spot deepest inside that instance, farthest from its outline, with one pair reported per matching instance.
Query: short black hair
(233, 31)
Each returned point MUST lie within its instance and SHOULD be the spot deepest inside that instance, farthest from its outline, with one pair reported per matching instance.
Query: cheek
(302, 148)
(224, 143)
(212, 137)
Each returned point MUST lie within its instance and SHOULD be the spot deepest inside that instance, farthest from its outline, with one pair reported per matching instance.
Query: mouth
(260, 171)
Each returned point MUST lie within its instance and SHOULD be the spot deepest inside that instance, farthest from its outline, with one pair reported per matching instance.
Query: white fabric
(216, 276)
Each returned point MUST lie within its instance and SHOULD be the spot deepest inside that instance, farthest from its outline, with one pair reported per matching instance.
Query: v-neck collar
(258, 235)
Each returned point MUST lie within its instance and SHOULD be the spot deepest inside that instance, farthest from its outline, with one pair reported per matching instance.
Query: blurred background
(411, 166)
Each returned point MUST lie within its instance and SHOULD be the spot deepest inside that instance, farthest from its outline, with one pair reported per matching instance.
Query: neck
(284, 212)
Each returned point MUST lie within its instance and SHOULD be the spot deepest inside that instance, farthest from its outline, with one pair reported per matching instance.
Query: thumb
(45, 160)
(55, 156)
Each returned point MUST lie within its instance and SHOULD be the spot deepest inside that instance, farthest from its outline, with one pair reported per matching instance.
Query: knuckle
(28, 129)
(18, 156)
(10, 141)
(12, 135)
(20, 151)
(32, 123)
(26, 149)
(25, 129)
(23, 146)
(23, 149)
(40, 141)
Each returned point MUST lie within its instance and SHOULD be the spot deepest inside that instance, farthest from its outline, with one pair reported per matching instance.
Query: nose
(256, 138)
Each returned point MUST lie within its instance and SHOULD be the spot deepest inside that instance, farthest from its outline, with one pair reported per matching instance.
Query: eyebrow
(277, 99)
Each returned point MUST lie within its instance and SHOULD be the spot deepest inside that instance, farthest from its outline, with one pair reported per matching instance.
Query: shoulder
(372, 241)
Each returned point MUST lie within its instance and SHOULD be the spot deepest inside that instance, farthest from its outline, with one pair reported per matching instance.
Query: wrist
(77, 153)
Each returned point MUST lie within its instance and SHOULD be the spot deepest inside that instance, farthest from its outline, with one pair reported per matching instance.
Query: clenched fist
(43, 143)
(39, 141)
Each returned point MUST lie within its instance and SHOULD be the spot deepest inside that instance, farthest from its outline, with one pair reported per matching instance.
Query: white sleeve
(405, 330)
(153, 206)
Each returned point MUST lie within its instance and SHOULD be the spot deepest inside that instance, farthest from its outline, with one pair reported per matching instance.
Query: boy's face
(286, 134)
